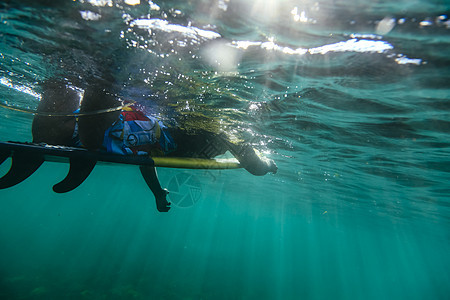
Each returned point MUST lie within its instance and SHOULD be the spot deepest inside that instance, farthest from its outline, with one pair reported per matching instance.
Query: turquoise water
(350, 98)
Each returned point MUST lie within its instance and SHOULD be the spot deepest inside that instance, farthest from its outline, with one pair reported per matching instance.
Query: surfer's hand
(267, 165)
(260, 166)
(161, 203)
(272, 166)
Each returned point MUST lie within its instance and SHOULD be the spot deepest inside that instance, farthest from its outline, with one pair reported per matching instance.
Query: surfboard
(58, 153)
(28, 157)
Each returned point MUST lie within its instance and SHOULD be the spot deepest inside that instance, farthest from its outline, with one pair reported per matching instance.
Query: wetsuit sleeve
(251, 161)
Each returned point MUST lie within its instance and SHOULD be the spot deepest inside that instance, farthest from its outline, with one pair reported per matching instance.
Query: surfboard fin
(4, 155)
(23, 165)
(79, 170)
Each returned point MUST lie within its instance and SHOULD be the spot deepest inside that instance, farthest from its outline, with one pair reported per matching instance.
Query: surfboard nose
(23, 165)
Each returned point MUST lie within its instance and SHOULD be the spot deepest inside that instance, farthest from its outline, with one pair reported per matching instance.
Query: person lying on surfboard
(103, 123)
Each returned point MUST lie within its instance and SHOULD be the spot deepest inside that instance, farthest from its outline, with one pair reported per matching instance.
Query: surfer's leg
(151, 178)
(49, 124)
(98, 112)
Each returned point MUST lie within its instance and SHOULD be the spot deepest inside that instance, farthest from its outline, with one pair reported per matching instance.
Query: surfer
(104, 123)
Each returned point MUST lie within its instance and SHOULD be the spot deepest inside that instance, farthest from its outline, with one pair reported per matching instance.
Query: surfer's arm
(151, 178)
(251, 161)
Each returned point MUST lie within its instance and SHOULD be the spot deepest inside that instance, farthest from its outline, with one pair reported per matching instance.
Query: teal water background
(355, 114)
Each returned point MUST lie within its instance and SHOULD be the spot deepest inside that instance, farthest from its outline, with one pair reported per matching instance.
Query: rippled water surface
(349, 98)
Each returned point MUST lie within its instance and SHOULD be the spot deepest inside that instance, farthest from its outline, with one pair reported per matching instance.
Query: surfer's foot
(161, 203)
